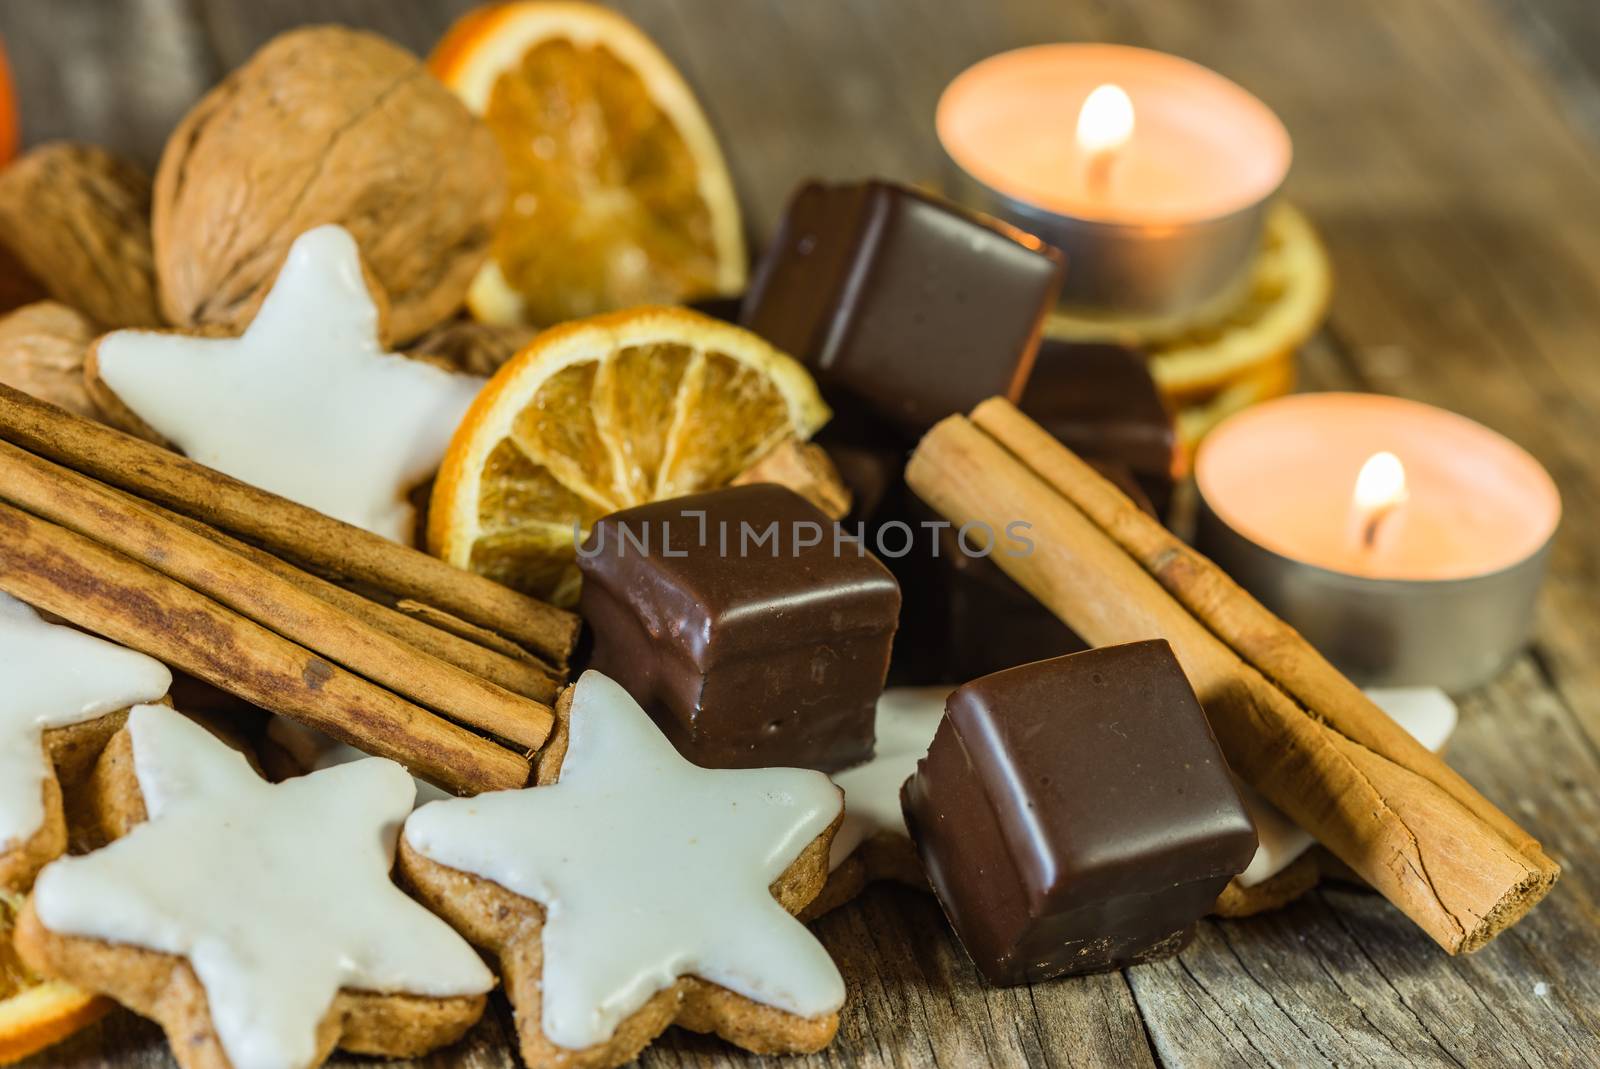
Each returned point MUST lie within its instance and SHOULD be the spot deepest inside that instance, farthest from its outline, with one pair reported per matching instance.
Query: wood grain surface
(1449, 150)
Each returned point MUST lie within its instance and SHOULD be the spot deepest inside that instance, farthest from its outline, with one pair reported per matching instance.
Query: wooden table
(1447, 149)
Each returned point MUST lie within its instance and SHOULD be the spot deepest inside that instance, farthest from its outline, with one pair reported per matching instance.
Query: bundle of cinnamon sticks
(1290, 724)
(381, 646)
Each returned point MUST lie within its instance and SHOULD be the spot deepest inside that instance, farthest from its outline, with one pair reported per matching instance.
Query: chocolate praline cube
(744, 624)
(903, 300)
(1100, 401)
(1075, 815)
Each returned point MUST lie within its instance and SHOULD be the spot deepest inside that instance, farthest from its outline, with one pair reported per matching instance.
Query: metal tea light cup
(1450, 633)
(1168, 272)
(1151, 173)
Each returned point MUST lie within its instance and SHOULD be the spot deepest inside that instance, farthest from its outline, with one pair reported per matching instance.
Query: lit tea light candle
(1105, 123)
(1405, 542)
(1380, 491)
(1151, 173)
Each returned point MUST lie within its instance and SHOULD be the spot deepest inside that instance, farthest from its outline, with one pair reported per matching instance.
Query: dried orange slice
(618, 194)
(35, 1014)
(602, 414)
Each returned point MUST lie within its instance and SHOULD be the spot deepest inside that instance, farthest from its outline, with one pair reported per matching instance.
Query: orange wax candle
(1200, 147)
(1285, 476)
(1149, 171)
(1405, 541)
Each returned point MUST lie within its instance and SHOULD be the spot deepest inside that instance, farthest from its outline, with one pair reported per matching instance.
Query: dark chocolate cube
(989, 622)
(1100, 401)
(913, 306)
(750, 632)
(1075, 815)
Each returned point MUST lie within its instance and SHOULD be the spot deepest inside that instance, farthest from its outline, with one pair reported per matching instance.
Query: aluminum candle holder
(1406, 543)
(1126, 270)
(1151, 173)
(1450, 633)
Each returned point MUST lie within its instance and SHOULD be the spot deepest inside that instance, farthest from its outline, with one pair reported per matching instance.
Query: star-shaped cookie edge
(510, 927)
(321, 260)
(67, 749)
(167, 987)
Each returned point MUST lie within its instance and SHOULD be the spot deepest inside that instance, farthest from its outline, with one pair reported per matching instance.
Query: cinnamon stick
(103, 591)
(335, 549)
(1442, 856)
(83, 505)
(490, 657)
(1274, 648)
(439, 620)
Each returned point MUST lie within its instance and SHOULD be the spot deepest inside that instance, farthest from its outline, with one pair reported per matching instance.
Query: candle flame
(1381, 484)
(1380, 489)
(1106, 122)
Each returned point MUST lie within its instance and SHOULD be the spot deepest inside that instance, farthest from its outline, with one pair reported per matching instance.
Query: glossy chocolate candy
(914, 307)
(1100, 401)
(749, 631)
(1075, 815)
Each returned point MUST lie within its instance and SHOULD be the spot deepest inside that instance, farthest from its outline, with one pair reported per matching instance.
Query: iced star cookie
(631, 890)
(256, 922)
(873, 843)
(63, 694)
(306, 403)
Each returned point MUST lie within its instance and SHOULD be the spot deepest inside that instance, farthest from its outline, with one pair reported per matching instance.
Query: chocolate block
(989, 622)
(871, 458)
(963, 617)
(748, 649)
(1100, 401)
(1075, 815)
(902, 300)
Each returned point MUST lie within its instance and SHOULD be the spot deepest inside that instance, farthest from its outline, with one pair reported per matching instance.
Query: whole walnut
(470, 347)
(325, 125)
(78, 218)
(42, 347)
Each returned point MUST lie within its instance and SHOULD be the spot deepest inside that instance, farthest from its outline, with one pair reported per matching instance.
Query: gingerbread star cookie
(873, 843)
(306, 403)
(62, 696)
(256, 922)
(636, 891)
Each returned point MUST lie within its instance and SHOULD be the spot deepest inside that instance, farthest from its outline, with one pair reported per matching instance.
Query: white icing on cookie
(314, 751)
(906, 721)
(1426, 712)
(306, 403)
(649, 869)
(278, 896)
(52, 677)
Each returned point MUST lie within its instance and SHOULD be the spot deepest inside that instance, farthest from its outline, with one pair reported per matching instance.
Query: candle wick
(1374, 524)
(1369, 534)
(1098, 171)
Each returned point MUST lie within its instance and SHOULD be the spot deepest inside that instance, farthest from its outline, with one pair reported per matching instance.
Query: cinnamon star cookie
(638, 890)
(306, 403)
(873, 843)
(62, 694)
(256, 922)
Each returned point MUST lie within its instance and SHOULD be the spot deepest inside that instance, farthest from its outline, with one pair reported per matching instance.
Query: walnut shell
(325, 125)
(42, 348)
(470, 347)
(78, 218)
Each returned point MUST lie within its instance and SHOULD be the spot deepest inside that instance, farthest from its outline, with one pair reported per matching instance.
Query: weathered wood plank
(1564, 38)
(119, 74)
